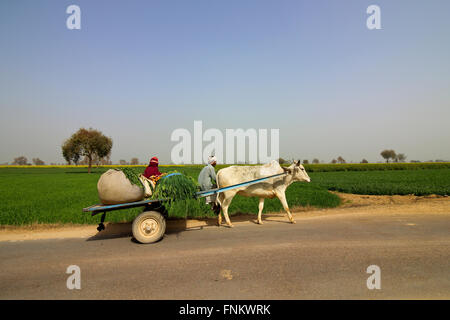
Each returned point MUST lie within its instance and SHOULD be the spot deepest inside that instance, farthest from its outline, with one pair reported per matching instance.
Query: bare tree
(340, 160)
(123, 162)
(281, 161)
(38, 162)
(364, 161)
(305, 161)
(134, 161)
(20, 161)
(96, 160)
(334, 161)
(106, 160)
(84, 161)
(315, 161)
(401, 157)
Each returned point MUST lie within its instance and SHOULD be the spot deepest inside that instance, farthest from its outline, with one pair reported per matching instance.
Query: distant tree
(305, 161)
(315, 161)
(340, 159)
(38, 162)
(20, 161)
(401, 157)
(89, 143)
(134, 161)
(415, 161)
(95, 160)
(281, 161)
(334, 161)
(388, 154)
(84, 161)
(123, 162)
(364, 161)
(106, 160)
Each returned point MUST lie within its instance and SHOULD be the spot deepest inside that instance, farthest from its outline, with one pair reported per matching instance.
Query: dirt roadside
(351, 203)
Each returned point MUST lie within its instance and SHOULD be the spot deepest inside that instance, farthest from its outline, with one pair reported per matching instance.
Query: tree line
(91, 147)
(23, 161)
(386, 154)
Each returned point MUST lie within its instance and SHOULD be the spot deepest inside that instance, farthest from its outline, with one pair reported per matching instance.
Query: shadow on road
(175, 227)
(112, 231)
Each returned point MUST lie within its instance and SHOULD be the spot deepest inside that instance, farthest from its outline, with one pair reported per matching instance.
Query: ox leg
(225, 204)
(219, 219)
(283, 201)
(260, 207)
(219, 201)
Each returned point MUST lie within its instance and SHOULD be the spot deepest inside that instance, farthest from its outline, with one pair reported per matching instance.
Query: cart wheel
(149, 227)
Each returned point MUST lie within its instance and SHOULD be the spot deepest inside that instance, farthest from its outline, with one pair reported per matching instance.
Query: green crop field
(375, 166)
(57, 195)
(401, 182)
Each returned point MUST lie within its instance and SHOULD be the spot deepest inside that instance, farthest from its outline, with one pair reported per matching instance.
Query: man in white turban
(212, 160)
(207, 179)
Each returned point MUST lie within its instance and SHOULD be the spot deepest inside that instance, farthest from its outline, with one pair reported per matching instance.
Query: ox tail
(218, 200)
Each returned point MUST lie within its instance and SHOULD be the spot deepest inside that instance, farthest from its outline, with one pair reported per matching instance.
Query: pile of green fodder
(178, 192)
(132, 175)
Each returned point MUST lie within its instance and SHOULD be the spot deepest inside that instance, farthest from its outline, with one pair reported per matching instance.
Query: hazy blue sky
(137, 70)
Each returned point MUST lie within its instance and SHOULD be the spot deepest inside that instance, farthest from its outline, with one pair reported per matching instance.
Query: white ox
(274, 187)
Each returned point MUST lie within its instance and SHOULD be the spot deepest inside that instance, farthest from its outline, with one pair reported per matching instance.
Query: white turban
(212, 159)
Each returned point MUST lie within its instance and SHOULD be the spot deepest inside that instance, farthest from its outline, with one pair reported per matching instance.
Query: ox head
(297, 171)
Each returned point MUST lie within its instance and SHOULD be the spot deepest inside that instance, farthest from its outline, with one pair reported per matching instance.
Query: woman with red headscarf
(152, 169)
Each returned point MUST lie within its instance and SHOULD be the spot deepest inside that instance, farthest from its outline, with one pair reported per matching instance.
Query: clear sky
(137, 70)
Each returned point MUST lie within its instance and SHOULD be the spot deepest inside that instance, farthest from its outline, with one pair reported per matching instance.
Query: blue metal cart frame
(156, 204)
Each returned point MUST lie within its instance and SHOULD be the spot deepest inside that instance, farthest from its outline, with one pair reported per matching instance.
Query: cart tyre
(149, 227)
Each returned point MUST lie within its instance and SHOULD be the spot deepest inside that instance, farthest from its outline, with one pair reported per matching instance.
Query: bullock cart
(150, 225)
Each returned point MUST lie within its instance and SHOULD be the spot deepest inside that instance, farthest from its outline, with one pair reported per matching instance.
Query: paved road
(319, 257)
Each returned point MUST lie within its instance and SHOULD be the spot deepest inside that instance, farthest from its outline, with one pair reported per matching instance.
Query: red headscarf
(152, 168)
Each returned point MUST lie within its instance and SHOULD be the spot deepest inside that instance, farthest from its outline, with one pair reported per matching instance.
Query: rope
(172, 174)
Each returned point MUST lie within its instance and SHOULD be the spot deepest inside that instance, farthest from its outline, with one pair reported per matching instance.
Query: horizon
(142, 164)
